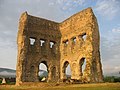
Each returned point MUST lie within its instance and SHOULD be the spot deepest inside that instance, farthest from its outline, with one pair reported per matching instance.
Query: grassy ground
(100, 86)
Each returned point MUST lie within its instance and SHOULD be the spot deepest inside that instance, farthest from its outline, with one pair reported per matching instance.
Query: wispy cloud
(116, 30)
(110, 50)
(108, 8)
(9, 17)
(111, 69)
(69, 5)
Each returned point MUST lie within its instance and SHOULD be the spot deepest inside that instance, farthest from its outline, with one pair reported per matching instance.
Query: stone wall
(74, 41)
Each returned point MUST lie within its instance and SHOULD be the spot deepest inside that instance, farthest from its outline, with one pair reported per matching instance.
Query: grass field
(100, 86)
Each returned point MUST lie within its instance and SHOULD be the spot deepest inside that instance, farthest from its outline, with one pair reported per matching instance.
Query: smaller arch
(73, 40)
(66, 70)
(43, 71)
(66, 63)
(65, 42)
(65, 46)
(82, 64)
(84, 36)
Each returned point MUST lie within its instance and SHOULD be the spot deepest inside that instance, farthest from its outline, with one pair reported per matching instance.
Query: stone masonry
(74, 41)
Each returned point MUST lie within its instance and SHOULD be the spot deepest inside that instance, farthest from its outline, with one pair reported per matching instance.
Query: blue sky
(106, 11)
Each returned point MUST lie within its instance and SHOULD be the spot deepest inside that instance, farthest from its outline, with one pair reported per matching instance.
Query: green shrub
(111, 79)
(117, 79)
(7, 82)
(0, 81)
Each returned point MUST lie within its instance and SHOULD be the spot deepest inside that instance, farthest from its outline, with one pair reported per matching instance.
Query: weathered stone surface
(74, 41)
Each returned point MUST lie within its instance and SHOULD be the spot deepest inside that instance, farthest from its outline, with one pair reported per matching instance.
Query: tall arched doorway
(66, 71)
(82, 64)
(43, 71)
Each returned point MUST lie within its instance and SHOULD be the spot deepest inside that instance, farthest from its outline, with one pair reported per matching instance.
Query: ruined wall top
(83, 15)
(76, 24)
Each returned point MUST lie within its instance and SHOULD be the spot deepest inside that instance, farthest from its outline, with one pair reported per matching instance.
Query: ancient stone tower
(73, 41)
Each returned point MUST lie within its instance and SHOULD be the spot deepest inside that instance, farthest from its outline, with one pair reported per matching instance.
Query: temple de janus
(74, 41)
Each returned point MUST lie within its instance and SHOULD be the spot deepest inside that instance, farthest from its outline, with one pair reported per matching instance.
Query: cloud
(10, 12)
(70, 4)
(111, 69)
(110, 51)
(116, 30)
(108, 8)
(110, 47)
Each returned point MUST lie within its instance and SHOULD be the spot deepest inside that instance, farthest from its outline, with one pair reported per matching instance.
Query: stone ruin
(74, 41)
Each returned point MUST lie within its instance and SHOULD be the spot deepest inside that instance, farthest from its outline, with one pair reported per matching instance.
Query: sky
(106, 11)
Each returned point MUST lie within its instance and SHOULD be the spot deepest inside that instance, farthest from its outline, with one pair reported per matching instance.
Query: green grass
(100, 86)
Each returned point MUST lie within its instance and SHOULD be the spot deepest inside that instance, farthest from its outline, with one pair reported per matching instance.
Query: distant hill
(8, 70)
(117, 74)
(5, 72)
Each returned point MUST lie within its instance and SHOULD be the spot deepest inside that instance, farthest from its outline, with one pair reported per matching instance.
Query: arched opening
(52, 43)
(66, 71)
(82, 39)
(32, 41)
(84, 36)
(43, 72)
(82, 66)
(65, 43)
(73, 40)
(42, 42)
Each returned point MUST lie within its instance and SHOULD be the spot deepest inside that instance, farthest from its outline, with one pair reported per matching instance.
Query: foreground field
(100, 86)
